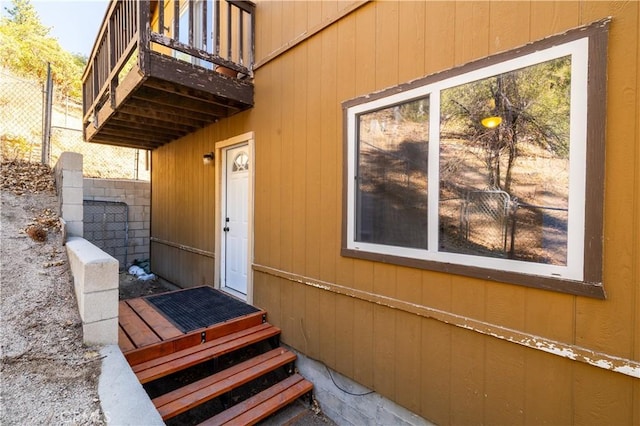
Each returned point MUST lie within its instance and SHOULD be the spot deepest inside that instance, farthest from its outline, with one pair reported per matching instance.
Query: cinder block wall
(137, 195)
(68, 175)
(95, 280)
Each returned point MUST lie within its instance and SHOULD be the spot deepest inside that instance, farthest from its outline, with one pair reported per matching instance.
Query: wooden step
(168, 346)
(183, 399)
(262, 405)
(180, 360)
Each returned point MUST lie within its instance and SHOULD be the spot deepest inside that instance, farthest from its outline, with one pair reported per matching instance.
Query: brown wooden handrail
(126, 35)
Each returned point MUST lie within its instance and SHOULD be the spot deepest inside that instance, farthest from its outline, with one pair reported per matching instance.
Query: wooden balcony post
(252, 40)
(191, 25)
(229, 37)
(204, 27)
(161, 17)
(144, 34)
(111, 48)
(216, 50)
(176, 20)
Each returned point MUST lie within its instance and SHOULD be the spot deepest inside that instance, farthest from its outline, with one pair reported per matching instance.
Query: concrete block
(124, 184)
(113, 193)
(110, 244)
(142, 233)
(98, 215)
(70, 161)
(72, 178)
(102, 183)
(74, 228)
(101, 332)
(77, 287)
(71, 212)
(141, 217)
(138, 250)
(134, 226)
(100, 305)
(72, 195)
(96, 269)
(114, 226)
(94, 192)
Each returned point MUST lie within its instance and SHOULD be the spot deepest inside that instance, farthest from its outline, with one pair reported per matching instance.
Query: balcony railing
(183, 55)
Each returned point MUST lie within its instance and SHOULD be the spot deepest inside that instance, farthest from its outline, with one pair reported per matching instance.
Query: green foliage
(14, 146)
(533, 104)
(27, 47)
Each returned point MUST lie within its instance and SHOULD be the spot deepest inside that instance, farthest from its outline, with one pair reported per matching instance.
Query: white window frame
(578, 49)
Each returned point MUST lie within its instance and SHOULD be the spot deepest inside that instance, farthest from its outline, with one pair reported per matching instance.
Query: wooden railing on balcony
(219, 33)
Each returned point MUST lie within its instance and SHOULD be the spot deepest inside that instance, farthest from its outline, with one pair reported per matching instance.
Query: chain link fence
(23, 114)
(491, 223)
(106, 224)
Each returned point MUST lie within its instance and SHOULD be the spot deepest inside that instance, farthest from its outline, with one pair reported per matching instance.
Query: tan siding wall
(444, 372)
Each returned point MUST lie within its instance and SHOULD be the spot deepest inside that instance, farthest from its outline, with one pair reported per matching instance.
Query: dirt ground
(47, 375)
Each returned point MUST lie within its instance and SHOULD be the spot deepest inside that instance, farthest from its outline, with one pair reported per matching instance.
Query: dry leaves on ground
(22, 177)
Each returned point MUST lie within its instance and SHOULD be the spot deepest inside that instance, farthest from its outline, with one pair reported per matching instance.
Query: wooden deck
(145, 333)
(155, 347)
(145, 86)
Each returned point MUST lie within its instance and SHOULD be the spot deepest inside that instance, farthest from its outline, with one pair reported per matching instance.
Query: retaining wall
(104, 224)
(95, 273)
(68, 176)
(95, 280)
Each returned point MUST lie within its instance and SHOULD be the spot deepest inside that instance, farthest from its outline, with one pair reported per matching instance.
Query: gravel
(48, 377)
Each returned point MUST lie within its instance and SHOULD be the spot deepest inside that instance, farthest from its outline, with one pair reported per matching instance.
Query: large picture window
(492, 170)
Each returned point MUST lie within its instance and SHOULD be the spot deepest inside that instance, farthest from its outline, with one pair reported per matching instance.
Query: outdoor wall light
(491, 122)
(208, 158)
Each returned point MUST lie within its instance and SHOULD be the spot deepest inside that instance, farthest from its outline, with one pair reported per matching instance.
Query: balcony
(162, 69)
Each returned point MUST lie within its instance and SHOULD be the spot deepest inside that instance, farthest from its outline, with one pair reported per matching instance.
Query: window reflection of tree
(392, 181)
(533, 109)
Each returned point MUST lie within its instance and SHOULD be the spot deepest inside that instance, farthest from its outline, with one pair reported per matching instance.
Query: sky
(75, 23)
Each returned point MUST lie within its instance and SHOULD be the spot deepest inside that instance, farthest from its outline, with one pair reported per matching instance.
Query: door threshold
(234, 293)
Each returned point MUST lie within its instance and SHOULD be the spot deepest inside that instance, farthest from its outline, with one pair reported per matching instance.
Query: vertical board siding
(504, 396)
(435, 371)
(287, 159)
(411, 40)
(313, 166)
(330, 148)
(606, 326)
(299, 153)
(636, 231)
(545, 371)
(446, 374)
(274, 155)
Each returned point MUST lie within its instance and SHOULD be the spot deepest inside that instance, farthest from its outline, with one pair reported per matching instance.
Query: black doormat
(199, 307)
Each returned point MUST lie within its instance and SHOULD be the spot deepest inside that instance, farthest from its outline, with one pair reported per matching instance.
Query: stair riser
(201, 396)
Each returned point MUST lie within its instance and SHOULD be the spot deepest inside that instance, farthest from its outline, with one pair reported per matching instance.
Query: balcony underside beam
(171, 99)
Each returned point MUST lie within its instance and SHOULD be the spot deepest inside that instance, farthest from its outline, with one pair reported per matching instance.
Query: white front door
(235, 219)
